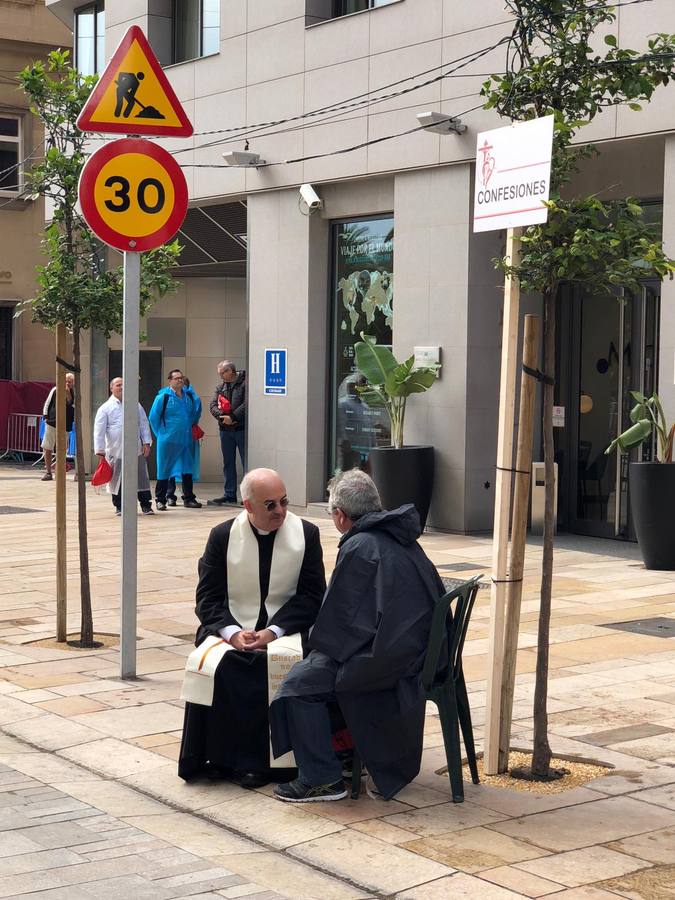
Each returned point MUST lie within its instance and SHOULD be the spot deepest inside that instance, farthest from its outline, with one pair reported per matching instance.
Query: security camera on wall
(309, 200)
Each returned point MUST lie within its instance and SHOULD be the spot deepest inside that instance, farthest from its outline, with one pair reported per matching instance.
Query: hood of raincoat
(402, 524)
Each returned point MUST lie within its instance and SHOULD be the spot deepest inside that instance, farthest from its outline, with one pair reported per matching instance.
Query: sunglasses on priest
(271, 505)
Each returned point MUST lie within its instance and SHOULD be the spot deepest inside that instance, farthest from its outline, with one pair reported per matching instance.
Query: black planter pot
(404, 476)
(652, 500)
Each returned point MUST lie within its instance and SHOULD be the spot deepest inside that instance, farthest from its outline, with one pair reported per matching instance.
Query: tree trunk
(86, 625)
(541, 756)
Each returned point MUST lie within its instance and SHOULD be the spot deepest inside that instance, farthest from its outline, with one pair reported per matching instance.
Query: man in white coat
(108, 443)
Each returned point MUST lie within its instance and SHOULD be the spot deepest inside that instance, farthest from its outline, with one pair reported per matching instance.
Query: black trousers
(162, 486)
(144, 498)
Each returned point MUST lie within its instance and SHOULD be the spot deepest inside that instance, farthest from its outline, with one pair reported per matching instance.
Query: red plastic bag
(197, 433)
(224, 405)
(103, 473)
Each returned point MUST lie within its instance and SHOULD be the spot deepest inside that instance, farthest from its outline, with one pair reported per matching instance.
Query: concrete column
(667, 333)
(448, 293)
(288, 307)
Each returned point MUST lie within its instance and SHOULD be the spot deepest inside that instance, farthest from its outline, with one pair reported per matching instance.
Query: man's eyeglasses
(272, 504)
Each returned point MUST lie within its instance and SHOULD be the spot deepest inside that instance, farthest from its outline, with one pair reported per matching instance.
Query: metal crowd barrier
(23, 435)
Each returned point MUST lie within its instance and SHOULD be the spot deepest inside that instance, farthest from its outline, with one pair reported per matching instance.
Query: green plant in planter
(647, 416)
(389, 382)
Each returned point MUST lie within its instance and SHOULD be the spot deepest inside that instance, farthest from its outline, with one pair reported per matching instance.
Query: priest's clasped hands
(252, 640)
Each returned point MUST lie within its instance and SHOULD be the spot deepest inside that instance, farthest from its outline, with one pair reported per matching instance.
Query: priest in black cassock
(261, 578)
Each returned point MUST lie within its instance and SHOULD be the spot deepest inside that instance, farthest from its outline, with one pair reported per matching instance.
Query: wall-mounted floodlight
(440, 123)
(243, 158)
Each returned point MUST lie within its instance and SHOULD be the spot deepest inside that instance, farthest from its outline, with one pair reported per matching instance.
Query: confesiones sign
(513, 172)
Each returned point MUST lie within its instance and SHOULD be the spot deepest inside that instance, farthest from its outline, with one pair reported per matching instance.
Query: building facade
(326, 92)
(27, 32)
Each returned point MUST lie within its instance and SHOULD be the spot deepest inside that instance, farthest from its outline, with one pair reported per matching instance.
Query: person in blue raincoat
(174, 411)
(196, 450)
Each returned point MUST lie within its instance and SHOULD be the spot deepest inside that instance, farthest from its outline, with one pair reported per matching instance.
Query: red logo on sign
(488, 164)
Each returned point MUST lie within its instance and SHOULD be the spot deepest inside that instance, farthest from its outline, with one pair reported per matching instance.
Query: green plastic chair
(447, 688)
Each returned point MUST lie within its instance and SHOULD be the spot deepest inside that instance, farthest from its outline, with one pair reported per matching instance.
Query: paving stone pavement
(91, 806)
(53, 845)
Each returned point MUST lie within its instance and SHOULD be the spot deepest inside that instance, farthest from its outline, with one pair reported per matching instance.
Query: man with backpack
(173, 418)
(229, 408)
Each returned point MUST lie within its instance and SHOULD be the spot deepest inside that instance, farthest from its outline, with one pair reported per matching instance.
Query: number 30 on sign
(133, 195)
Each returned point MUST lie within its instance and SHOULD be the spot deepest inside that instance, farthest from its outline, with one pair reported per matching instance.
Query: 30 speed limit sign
(133, 195)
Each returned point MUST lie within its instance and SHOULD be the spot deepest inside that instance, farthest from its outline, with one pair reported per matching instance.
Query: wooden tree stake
(500, 540)
(60, 452)
(528, 389)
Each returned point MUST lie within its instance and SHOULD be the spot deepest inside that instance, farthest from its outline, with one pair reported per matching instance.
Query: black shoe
(297, 792)
(249, 779)
(160, 506)
(170, 501)
(118, 512)
(147, 511)
(217, 501)
(192, 504)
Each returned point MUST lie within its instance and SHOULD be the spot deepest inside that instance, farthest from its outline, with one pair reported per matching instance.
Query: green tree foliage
(75, 288)
(558, 64)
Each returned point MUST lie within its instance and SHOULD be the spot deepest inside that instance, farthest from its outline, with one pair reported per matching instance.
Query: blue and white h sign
(275, 372)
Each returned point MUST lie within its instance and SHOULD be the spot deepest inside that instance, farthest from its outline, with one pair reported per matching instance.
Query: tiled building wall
(272, 66)
(201, 324)
(22, 220)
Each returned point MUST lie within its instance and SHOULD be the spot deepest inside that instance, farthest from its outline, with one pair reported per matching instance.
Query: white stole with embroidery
(243, 579)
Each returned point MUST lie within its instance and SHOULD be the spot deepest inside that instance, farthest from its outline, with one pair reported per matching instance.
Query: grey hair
(227, 366)
(354, 493)
(246, 487)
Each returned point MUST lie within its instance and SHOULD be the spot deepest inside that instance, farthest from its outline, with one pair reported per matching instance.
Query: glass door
(613, 351)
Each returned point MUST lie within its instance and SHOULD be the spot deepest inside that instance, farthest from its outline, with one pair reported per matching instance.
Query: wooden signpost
(513, 166)
(521, 496)
(134, 197)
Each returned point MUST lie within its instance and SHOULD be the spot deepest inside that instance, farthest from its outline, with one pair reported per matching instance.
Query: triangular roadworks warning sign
(133, 95)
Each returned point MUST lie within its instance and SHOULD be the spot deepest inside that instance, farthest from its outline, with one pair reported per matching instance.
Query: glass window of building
(196, 29)
(90, 38)
(10, 155)
(346, 7)
(363, 296)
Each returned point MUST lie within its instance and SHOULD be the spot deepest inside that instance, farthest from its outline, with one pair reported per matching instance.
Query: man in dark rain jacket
(368, 648)
(228, 407)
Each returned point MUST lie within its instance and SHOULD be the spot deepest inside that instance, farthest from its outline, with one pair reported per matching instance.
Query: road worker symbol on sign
(127, 85)
(133, 95)
(133, 194)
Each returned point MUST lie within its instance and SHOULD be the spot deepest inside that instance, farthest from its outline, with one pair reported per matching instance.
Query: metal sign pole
(132, 293)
